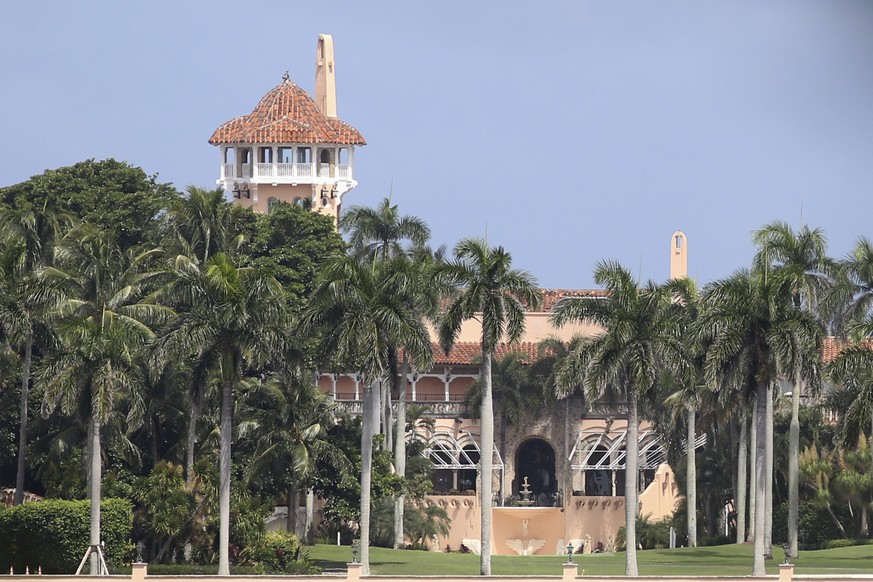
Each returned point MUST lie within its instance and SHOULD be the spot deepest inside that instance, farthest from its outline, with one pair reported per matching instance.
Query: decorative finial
(286, 77)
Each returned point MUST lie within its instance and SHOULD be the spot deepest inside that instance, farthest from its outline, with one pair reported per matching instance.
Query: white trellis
(613, 457)
(446, 452)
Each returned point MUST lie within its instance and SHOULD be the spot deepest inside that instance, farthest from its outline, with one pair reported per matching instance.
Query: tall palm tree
(641, 337)
(513, 397)
(491, 291)
(103, 326)
(800, 261)
(230, 319)
(856, 288)
(362, 314)
(753, 332)
(29, 236)
(197, 226)
(377, 233)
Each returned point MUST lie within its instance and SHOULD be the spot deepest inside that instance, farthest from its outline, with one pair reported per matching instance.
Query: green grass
(728, 560)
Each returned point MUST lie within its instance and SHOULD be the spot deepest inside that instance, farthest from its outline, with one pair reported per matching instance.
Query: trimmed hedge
(54, 535)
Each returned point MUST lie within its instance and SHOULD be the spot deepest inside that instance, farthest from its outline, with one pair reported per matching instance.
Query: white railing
(285, 170)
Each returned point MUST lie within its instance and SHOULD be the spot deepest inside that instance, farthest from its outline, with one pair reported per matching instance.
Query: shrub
(280, 552)
(815, 524)
(650, 534)
(54, 534)
(831, 544)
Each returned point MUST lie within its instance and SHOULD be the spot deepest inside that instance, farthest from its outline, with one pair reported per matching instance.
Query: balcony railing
(286, 172)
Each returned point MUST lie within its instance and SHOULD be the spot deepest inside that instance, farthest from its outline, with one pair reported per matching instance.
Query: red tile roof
(832, 347)
(552, 296)
(286, 115)
(465, 353)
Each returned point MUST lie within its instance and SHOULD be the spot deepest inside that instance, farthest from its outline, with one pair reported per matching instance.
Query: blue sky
(570, 132)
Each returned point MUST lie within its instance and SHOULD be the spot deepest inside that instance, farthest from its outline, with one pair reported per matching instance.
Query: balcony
(286, 173)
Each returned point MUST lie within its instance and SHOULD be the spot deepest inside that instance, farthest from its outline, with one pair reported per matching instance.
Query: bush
(650, 534)
(831, 544)
(815, 524)
(280, 552)
(54, 535)
(197, 570)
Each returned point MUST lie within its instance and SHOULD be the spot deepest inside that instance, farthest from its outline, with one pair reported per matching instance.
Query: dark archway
(535, 459)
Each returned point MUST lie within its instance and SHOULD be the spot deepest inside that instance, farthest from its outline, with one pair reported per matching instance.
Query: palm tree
(362, 314)
(376, 233)
(198, 226)
(800, 261)
(754, 331)
(288, 421)
(103, 327)
(641, 337)
(856, 288)
(230, 319)
(491, 291)
(513, 398)
(29, 236)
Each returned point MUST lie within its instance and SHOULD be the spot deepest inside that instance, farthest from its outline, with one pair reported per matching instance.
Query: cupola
(291, 148)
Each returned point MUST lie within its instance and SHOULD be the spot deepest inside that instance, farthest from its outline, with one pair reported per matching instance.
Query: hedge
(54, 535)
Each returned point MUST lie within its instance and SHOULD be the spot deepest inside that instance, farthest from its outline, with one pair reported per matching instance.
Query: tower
(291, 148)
(678, 256)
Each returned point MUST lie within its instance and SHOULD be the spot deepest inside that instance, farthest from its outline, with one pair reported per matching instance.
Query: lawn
(731, 560)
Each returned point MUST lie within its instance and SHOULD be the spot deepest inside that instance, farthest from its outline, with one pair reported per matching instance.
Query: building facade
(559, 478)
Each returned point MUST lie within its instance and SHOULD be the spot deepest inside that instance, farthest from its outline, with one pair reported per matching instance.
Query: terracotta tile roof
(286, 115)
(465, 353)
(832, 346)
(552, 296)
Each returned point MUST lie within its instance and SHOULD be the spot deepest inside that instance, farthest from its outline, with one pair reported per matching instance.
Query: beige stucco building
(559, 476)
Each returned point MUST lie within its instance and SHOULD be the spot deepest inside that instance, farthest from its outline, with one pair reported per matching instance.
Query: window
(304, 155)
(286, 155)
(265, 155)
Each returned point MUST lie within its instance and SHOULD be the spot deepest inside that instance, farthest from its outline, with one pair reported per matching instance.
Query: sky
(568, 132)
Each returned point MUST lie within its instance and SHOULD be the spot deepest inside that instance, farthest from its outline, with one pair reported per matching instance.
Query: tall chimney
(325, 76)
(678, 256)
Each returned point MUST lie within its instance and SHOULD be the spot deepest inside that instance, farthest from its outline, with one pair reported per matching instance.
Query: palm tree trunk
(794, 467)
(196, 407)
(372, 406)
(224, 486)
(760, 476)
(486, 462)
(96, 470)
(400, 454)
(291, 521)
(307, 527)
(768, 484)
(691, 479)
(753, 477)
(742, 478)
(18, 499)
(631, 484)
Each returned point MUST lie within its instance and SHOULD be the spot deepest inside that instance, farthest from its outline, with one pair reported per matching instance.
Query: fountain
(525, 494)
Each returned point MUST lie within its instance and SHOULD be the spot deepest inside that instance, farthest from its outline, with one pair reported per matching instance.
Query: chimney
(678, 256)
(325, 76)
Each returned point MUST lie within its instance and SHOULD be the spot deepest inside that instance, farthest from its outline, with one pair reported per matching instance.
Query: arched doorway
(535, 459)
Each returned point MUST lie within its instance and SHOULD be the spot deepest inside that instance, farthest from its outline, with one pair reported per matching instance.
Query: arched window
(272, 203)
